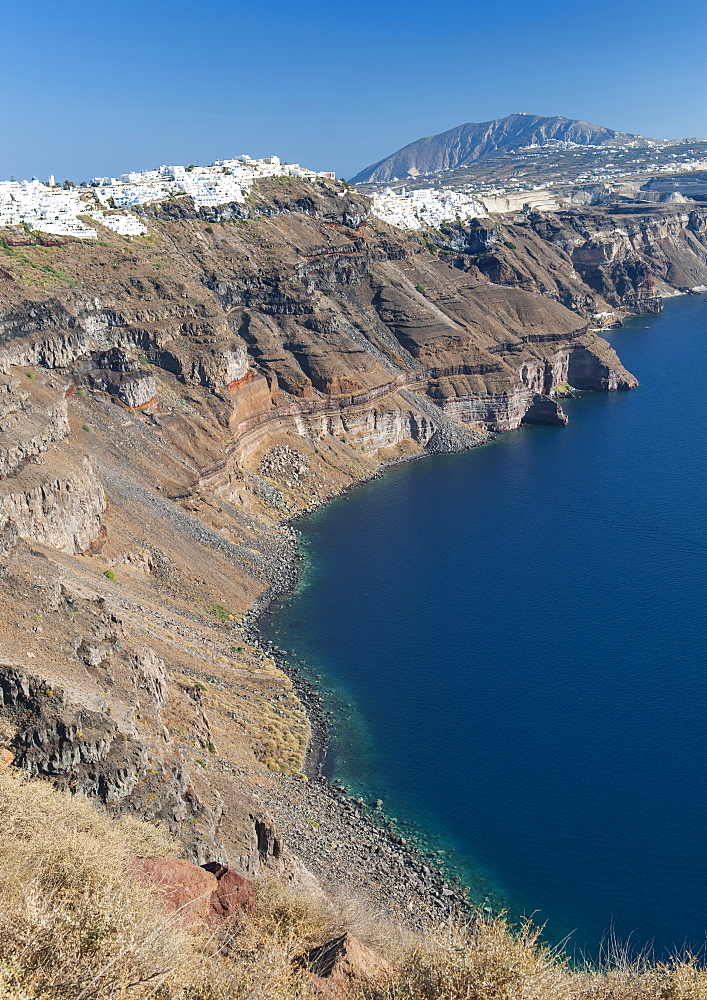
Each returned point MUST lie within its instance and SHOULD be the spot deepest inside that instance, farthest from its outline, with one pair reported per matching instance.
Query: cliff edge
(167, 402)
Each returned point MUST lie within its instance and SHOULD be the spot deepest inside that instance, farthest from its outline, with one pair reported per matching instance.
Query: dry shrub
(74, 927)
(490, 960)
(482, 960)
(257, 958)
(71, 924)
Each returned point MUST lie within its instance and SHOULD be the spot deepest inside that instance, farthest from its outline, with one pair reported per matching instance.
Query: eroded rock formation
(172, 400)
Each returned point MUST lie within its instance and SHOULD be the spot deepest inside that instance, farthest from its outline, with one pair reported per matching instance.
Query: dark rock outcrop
(344, 958)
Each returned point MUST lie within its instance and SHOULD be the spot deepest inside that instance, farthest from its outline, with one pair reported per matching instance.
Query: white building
(222, 182)
(44, 208)
(126, 225)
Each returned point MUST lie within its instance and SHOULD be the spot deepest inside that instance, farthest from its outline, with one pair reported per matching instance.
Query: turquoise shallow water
(514, 645)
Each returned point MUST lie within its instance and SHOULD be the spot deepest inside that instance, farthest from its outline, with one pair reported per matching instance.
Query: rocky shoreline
(354, 851)
(285, 580)
(320, 818)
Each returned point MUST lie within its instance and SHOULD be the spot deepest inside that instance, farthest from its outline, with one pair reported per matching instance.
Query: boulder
(186, 889)
(345, 957)
(234, 894)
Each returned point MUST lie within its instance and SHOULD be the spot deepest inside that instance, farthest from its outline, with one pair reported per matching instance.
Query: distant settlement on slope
(63, 211)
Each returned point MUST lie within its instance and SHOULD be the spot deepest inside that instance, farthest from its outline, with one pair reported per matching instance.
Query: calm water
(514, 644)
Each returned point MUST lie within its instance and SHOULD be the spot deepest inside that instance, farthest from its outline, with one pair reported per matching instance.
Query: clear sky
(90, 88)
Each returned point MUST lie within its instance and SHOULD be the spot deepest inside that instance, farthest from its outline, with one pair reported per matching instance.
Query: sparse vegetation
(109, 574)
(22, 257)
(218, 611)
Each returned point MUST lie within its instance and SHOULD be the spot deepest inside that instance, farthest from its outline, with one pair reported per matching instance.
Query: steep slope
(166, 403)
(473, 141)
(593, 260)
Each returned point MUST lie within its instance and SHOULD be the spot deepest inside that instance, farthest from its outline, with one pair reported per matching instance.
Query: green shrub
(109, 574)
(218, 611)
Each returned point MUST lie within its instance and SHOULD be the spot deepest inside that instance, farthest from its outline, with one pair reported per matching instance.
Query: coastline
(369, 850)
(368, 833)
(636, 337)
(348, 844)
(287, 580)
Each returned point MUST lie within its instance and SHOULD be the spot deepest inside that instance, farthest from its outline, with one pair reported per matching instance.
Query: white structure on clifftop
(221, 183)
(426, 207)
(433, 206)
(50, 209)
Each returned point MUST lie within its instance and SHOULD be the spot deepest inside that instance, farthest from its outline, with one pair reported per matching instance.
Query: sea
(512, 646)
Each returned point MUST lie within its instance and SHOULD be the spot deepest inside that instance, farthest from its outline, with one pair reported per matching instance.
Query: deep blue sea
(513, 642)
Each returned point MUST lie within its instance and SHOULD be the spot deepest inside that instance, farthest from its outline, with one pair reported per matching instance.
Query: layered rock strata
(593, 260)
(167, 403)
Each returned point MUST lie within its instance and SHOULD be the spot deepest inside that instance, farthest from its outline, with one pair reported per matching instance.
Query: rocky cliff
(618, 259)
(168, 401)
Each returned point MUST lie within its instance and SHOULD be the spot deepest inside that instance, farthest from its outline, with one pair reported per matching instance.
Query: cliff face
(590, 260)
(166, 402)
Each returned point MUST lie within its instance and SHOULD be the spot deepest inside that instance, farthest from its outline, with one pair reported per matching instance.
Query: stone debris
(285, 464)
(346, 957)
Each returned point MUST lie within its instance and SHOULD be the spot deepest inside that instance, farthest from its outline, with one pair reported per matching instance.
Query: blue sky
(89, 88)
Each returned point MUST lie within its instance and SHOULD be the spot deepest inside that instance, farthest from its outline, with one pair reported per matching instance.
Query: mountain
(473, 141)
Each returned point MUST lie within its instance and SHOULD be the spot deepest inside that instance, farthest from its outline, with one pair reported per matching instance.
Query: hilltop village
(63, 210)
(545, 177)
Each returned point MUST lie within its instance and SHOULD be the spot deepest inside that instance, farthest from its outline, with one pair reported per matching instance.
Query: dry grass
(490, 960)
(73, 927)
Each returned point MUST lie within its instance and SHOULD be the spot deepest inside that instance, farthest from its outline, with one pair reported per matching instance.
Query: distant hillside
(468, 143)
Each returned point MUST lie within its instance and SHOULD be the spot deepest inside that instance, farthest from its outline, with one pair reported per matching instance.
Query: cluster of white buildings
(50, 209)
(433, 206)
(43, 207)
(222, 182)
(426, 207)
(119, 222)
(679, 162)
